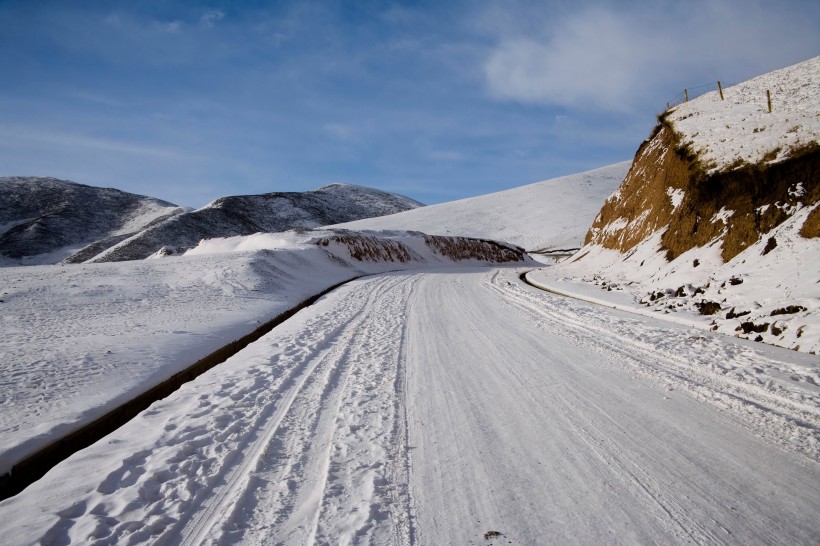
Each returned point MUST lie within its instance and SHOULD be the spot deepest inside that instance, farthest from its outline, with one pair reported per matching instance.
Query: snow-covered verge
(771, 296)
(78, 340)
(550, 215)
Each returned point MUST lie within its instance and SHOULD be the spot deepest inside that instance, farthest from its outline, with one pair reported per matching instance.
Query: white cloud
(171, 27)
(210, 18)
(615, 58)
(18, 133)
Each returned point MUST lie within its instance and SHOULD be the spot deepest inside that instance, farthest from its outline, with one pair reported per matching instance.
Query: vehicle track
(773, 409)
(326, 391)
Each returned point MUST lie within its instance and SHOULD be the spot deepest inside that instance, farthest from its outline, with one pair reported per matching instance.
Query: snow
(768, 282)
(762, 281)
(77, 341)
(396, 411)
(740, 129)
(722, 215)
(549, 215)
(54, 219)
(249, 214)
(676, 195)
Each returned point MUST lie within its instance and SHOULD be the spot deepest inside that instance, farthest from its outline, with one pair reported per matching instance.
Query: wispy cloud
(83, 141)
(614, 58)
(171, 27)
(210, 18)
(337, 130)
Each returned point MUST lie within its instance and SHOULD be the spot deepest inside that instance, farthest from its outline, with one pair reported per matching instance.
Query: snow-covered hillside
(248, 214)
(550, 215)
(44, 220)
(726, 134)
(77, 341)
(719, 216)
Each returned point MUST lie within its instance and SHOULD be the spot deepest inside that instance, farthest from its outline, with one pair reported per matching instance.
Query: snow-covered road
(432, 408)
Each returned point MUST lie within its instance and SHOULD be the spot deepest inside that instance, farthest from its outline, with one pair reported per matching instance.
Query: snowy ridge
(719, 216)
(44, 220)
(248, 214)
(548, 215)
(78, 341)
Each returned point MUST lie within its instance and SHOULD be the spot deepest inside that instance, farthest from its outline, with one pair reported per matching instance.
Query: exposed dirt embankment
(464, 248)
(668, 188)
(644, 202)
(367, 248)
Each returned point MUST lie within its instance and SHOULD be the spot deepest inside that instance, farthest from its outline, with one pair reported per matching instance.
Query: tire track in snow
(535, 430)
(314, 395)
(332, 471)
(767, 409)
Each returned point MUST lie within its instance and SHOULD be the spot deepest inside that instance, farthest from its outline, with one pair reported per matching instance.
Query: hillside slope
(549, 215)
(248, 214)
(719, 215)
(43, 220)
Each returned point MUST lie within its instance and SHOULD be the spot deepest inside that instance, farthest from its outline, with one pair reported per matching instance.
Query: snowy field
(397, 411)
(79, 340)
(548, 215)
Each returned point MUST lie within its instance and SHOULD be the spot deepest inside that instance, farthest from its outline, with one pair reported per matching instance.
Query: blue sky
(189, 101)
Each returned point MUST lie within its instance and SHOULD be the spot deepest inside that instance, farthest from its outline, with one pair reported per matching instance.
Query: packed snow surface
(740, 129)
(397, 411)
(550, 215)
(79, 340)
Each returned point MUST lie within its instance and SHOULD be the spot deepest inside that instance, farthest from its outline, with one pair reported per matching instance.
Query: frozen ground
(398, 411)
(78, 340)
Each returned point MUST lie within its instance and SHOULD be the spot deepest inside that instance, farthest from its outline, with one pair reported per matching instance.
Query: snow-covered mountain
(720, 213)
(549, 215)
(248, 214)
(43, 220)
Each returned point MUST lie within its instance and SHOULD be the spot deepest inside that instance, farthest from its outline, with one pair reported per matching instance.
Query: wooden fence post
(769, 99)
(720, 89)
(686, 95)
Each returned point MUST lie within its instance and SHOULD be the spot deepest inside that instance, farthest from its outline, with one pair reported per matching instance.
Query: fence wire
(696, 91)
